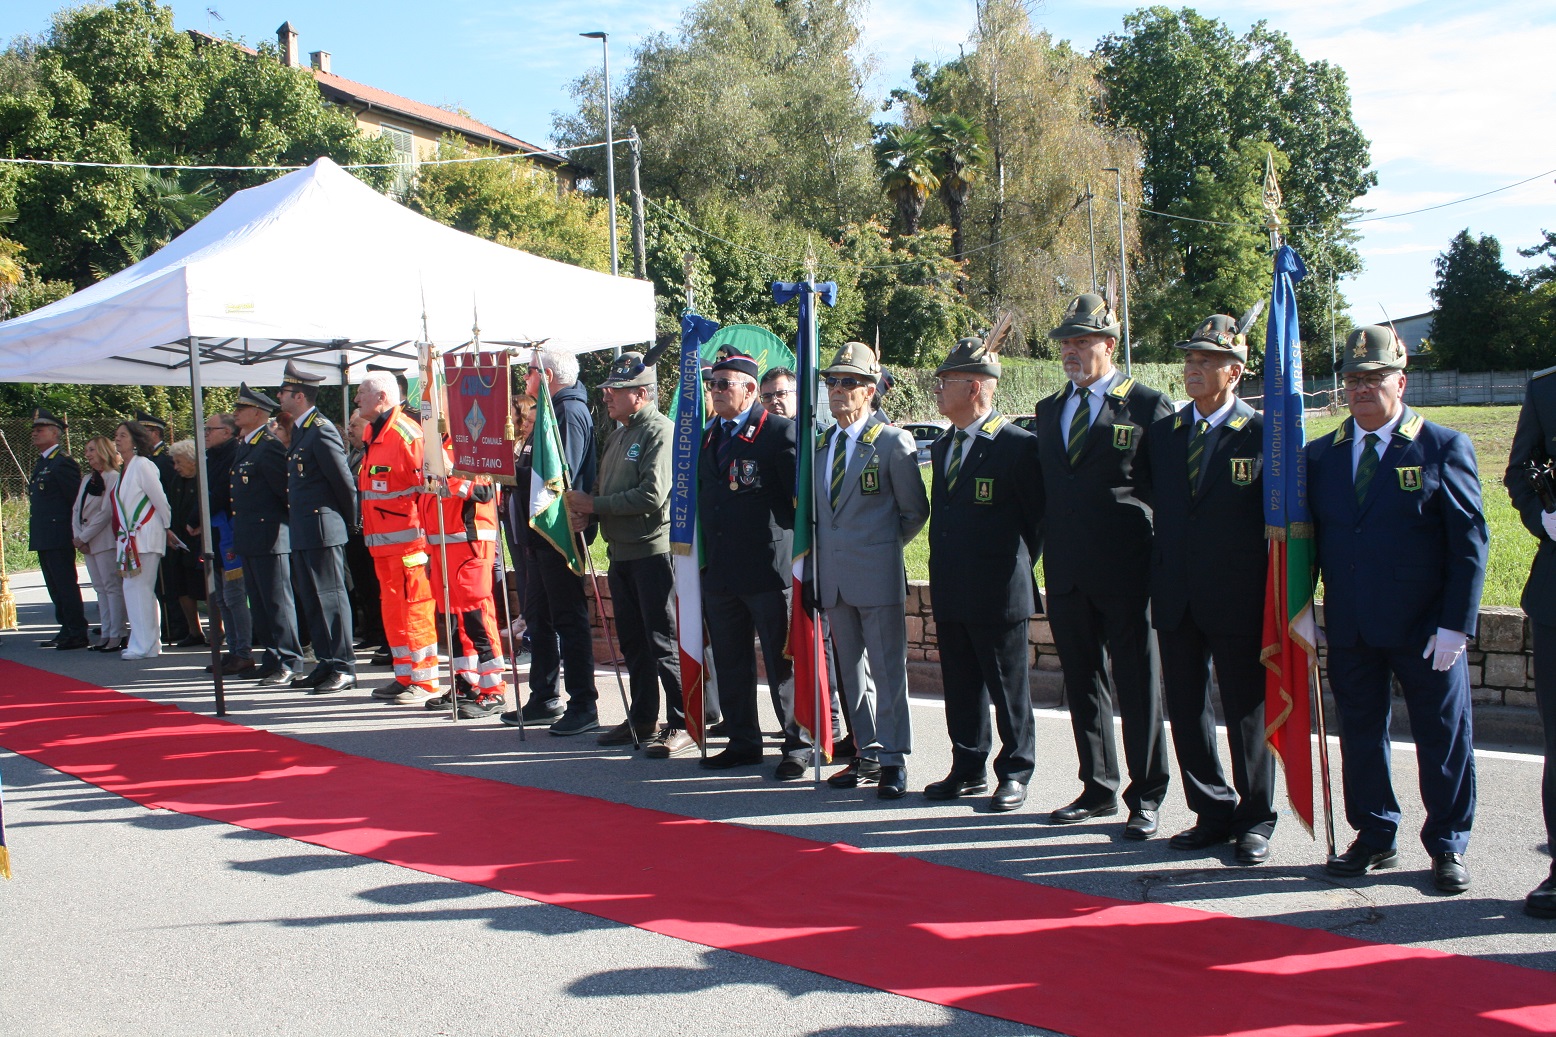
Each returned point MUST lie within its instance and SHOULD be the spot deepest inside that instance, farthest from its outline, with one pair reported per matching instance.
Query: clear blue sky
(1457, 99)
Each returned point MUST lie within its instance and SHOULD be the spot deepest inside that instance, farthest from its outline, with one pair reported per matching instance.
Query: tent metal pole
(213, 586)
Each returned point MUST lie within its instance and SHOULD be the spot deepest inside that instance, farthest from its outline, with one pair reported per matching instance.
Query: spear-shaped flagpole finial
(425, 335)
(688, 265)
(1272, 200)
(475, 324)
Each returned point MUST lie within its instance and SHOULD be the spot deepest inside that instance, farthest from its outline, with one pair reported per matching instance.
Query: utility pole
(639, 251)
(1091, 234)
(1123, 268)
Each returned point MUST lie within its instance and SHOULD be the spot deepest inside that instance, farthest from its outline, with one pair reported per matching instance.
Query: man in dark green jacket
(631, 500)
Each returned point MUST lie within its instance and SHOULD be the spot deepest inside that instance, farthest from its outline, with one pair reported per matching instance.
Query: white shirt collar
(1101, 386)
(977, 423)
(1216, 419)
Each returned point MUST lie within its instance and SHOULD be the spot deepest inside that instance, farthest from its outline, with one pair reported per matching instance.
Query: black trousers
(642, 595)
(321, 584)
(175, 625)
(734, 622)
(269, 582)
(59, 576)
(1248, 804)
(364, 592)
(1095, 635)
(1545, 699)
(556, 609)
(982, 663)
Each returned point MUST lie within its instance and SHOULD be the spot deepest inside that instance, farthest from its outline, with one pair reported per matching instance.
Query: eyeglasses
(844, 382)
(1364, 381)
(776, 394)
(724, 384)
(941, 383)
(215, 428)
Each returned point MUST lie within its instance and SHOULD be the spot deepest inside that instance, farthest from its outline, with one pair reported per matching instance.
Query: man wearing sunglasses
(985, 533)
(1402, 550)
(745, 508)
(778, 394)
(870, 502)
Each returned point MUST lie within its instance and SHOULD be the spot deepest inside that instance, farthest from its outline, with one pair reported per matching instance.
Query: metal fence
(17, 455)
(1422, 389)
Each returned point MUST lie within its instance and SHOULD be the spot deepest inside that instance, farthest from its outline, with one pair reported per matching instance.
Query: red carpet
(1079, 964)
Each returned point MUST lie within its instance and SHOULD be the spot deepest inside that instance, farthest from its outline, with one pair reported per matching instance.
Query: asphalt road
(127, 921)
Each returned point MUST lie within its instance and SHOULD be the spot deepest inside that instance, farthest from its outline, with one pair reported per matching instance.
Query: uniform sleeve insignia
(1123, 437)
(1121, 390)
(983, 490)
(1242, 471)
(1237, 422)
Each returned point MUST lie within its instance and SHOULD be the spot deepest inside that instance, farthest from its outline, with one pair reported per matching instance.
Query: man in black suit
(1535, 440)
(985, 533)
(260, 535)
(1097, 564)
(51, 493)
(1207, 592)
(322, 501)
(745, 510)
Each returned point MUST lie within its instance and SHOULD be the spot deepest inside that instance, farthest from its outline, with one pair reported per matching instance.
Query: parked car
(925, 433)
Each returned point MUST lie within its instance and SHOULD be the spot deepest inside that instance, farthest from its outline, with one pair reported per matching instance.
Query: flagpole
(807, 439)
(513, 641)
(441, 492)
(688, 266)
(1316, 693)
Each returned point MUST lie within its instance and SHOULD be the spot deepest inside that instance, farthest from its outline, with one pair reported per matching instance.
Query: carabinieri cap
(150, 420)
(295, 375)
(254, 398)
(43, 417)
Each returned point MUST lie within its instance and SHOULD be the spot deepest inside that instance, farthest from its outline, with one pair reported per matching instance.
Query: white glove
(1548, 520)
(1444, 648)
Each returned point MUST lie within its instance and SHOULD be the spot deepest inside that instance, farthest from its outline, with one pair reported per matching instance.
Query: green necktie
(839, 462)
(1197, 452)
(1080, 424)
(1366, 465)
(955, 468)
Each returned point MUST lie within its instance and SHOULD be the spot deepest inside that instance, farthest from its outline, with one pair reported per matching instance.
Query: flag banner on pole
(5, 854)
(430, 407)
(1290, 650)
(480, 416)
(812, 698)
(755, 342)
(547, 516)
(685, 547)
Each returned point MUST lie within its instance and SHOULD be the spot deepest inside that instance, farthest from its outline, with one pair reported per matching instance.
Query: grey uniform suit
(881, 505)
(323, 499)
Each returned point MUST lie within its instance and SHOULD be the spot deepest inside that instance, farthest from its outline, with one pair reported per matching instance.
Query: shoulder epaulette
(1237, 421)
(1121, 390)
(869, 434)
(1410, 428)
(1542, 374)
(993, 424)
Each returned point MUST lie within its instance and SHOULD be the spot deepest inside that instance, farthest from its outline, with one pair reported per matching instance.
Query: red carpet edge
(1000, 947)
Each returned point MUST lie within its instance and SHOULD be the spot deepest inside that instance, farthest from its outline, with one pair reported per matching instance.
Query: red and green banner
(479, 424)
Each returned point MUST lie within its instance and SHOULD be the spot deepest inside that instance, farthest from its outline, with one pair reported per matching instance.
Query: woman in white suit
(91, 523)
(141, 515)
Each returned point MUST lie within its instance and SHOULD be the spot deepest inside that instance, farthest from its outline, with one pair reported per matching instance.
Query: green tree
(513, 202)
(752, 99)
(905, 159)
(120, 84)
(1195, 92)
(1475, 297)
(1541, 274)
(907, 289)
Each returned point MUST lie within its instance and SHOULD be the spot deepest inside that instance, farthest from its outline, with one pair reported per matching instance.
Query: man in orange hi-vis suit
(466, 542)
(391, 482)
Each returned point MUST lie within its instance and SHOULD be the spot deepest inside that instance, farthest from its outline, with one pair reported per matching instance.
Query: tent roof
(318, 266)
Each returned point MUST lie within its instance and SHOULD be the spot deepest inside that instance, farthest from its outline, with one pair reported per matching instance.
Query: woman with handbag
(92, 528)
(141, 514)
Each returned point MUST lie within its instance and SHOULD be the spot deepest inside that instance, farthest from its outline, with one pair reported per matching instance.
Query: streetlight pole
(610, 152)
(1091, 235)
(1123, 269)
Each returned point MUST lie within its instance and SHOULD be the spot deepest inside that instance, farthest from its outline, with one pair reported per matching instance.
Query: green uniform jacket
(632, 489)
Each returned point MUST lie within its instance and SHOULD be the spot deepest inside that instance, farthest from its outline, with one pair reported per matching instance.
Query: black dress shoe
(51, 642)
(381, 659)
(953, 786)
(1449, 874)
(893, 783)
(790, 768)
(1082, 809)
(1252, 848)
(1141, 824)
(1541, 901)
(844, 748)
(334, 682)
(1199, 837)
(723, 761)
(276, 678)
(1360, 859)
(1008, 795)
(70, 644)
(311, 680)
(858, 772)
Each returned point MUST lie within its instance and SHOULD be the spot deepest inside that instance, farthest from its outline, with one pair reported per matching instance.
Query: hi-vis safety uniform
(468, 539)
(391, 483)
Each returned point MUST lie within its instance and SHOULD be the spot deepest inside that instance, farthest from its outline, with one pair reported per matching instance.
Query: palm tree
(960, 148)
(904, 157)
(167, 208)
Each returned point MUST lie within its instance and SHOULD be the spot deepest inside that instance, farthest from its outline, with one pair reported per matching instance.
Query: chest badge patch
(1123, 437)
(870, 481)
(634, 451)
(983, 490)
(1409, 478)
(1242, 471)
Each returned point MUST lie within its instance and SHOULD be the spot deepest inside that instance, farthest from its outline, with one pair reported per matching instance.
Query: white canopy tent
(315, 265)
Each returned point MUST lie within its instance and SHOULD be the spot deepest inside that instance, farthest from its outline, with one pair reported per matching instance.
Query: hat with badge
(1088, 314)
(633, 370)
(1373, 348)
(43, 417)
(254, 398)
(150, 420)
(979, 354)
(1218, 334)
(730, 360)
(855, 358)
(295, 375)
